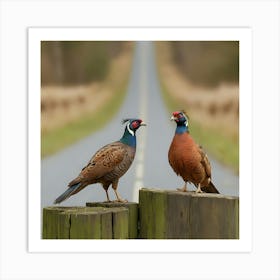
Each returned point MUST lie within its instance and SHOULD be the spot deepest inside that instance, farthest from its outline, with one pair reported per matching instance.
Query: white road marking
(139, 170)
(138, 184)
(140, 154)
(143, 97)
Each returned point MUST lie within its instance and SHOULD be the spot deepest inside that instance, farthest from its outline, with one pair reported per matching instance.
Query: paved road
(150, 167)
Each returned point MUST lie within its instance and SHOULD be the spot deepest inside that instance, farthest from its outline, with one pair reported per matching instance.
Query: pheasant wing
(205, 161)
(103, 162)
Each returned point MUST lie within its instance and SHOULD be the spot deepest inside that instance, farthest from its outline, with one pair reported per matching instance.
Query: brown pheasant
(187, 159)
(108, 164)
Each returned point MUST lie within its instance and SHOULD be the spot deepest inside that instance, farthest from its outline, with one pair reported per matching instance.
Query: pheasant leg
(199, 189)
(108, 199)
(119, 199)
(183, 189)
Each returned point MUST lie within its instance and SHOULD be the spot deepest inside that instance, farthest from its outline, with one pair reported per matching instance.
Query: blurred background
(77, 80)
(203, 78)
(87, 87)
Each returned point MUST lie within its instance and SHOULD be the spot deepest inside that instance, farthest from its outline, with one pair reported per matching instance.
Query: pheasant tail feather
(71, 190)
(211, 188)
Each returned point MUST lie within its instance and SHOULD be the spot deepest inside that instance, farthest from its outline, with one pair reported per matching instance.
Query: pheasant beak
(143, 124)
(173, 118)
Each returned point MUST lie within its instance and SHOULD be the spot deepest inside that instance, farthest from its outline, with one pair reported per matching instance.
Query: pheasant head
(129, 137)
(181, 119)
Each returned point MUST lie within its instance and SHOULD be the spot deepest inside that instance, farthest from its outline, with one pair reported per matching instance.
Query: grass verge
(226, 149)
(59, 138)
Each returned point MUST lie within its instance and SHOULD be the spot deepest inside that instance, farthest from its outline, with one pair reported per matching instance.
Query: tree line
(76, 62)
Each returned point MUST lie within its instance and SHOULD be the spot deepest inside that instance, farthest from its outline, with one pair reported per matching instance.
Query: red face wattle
(176, 116)
(137, 123)
(179, 117)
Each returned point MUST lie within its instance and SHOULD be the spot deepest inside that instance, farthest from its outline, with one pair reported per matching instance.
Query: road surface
(150, 167)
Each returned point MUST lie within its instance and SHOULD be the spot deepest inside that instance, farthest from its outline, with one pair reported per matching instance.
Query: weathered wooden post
(162, 214)
(172, 214)
(85, 223)
(56, 226)
(132, 214)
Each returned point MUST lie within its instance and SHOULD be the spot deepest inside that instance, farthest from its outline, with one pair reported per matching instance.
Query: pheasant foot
(121, 200)
(183, 189)
(199, 189)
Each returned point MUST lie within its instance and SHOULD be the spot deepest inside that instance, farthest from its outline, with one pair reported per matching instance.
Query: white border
(35, 243)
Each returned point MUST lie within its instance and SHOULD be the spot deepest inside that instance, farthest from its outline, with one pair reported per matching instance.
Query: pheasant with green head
(108, 164)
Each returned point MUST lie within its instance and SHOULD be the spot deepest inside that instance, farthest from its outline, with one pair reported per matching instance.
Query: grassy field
(217, 143)
(57, 139)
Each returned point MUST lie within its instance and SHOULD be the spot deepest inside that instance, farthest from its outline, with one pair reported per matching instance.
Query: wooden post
(178, 215)
(152, 213)
(132, 214)
(162, 215)
(120, 223)
(85, 223)
(55, 225)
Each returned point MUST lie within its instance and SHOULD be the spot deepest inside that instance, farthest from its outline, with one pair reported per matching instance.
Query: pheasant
(188, 159)
(108, 164)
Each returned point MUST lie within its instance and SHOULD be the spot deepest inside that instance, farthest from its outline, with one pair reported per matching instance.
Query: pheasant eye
(134, 124)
